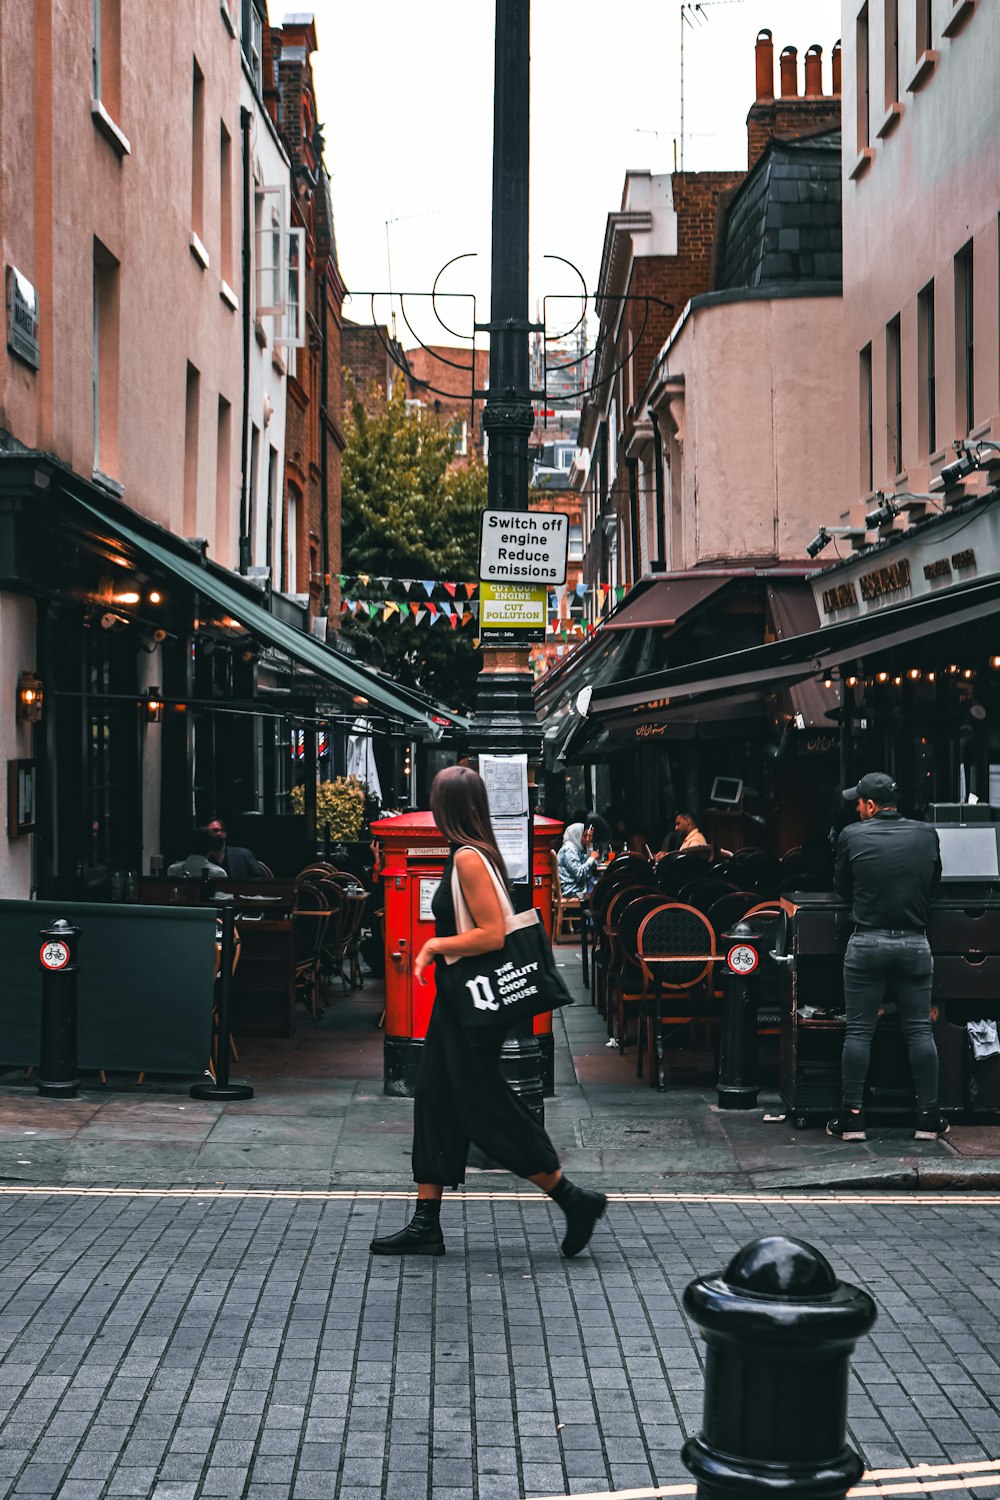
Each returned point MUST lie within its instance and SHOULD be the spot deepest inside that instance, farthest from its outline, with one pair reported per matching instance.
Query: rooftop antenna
(693, 9)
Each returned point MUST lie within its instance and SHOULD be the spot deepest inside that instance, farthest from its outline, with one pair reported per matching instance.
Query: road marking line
(377, 1195)
(869, 1484)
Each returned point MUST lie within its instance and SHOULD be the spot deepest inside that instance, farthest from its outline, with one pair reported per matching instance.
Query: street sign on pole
(511, 613)
(523, 546)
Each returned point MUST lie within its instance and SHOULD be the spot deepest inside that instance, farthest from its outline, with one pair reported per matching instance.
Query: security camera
(820, 540)
(954, 473)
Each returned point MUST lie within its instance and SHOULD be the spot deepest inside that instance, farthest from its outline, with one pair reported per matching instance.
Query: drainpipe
(633, 511)
(661, 530)
(244, 544)
(324, 526)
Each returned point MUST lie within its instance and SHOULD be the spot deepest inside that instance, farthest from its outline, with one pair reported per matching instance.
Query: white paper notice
(506, 778)
(512, 841)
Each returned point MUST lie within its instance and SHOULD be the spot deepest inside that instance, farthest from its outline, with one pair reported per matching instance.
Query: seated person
(687, 836)
(237, 863)
(198, 862)
(577, 861)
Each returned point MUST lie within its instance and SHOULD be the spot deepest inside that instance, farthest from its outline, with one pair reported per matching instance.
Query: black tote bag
(491, 991)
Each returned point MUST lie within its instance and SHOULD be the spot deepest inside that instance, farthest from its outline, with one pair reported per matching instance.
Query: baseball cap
(875, 786)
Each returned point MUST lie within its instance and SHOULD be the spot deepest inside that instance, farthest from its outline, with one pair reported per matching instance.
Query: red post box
(413, 855)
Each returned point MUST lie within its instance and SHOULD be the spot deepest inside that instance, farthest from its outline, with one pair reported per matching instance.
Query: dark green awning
(377, 691)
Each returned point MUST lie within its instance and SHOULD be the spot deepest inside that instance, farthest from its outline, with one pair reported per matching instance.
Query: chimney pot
(765, 65)
(814, 72)
(789, 73)
(836, 67)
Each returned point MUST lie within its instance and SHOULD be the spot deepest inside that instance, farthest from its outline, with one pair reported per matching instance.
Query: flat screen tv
(727, 790)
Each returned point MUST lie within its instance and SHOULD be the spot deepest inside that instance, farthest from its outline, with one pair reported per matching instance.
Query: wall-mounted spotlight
(30, 695)
(882, 514)
(961, 467)
(154, 706)
(826, 534)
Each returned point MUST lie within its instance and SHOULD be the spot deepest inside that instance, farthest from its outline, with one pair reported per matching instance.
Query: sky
(405, 95)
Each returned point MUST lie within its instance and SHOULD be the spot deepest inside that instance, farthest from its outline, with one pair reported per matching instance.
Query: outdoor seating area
(298, 941)
(652, 937)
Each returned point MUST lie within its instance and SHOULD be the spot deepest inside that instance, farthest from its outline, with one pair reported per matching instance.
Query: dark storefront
(652, 753)
(170, 688)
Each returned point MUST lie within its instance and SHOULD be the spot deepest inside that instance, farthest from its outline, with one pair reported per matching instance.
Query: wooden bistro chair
(342, 944)
(627, 985)
(310, 919)
(566, 910)
(676, 947)
(606, 948)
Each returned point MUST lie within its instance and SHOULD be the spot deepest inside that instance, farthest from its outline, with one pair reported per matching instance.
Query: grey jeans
(901, 964)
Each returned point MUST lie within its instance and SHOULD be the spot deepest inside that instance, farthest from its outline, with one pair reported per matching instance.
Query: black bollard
(780, 1330)
(744, 948)
(222, 1088)
(57, 1073)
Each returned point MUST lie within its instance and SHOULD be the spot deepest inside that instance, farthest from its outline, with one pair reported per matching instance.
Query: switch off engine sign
(523, 546)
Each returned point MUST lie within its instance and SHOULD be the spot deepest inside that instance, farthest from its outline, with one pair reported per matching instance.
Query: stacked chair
(328, 925)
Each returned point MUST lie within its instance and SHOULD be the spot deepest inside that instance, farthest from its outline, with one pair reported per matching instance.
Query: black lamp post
(505, 722)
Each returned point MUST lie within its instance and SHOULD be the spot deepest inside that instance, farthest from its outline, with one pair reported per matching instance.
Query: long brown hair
(461, 811)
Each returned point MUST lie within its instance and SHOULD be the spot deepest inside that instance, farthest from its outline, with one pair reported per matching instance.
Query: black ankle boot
(582, 1208)
(422, 1236)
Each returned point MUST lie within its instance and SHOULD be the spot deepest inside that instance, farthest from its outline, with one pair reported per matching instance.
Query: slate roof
(783, 224)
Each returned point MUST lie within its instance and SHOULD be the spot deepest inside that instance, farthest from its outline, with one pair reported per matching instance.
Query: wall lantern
(154, 706)
(29, 698)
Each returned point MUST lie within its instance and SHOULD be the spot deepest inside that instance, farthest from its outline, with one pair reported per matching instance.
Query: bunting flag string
(460, 589)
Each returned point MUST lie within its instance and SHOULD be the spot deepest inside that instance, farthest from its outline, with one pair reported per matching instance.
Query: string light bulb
(883, 677)
(914, 674)
(852, 682)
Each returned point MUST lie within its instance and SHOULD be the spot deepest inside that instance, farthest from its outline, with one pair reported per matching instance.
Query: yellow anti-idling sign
(512, 606)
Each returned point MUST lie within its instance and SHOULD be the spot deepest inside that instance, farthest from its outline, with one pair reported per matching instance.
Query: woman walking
(460, 1095)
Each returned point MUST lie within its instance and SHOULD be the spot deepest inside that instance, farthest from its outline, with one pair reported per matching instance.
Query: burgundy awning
(666, 601)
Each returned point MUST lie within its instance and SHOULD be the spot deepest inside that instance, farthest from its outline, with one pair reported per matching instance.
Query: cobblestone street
(220, 1345)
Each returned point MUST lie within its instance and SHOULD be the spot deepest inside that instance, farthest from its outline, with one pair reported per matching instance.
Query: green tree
(406, 513)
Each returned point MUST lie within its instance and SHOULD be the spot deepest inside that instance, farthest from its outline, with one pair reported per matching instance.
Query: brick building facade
(310, 551)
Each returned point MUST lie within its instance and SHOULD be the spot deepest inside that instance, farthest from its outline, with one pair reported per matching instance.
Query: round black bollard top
(746, 930)
(779, 1266)
(780, 1290)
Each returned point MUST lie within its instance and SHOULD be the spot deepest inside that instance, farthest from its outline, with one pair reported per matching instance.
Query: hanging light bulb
(897, 681)
(995, 662)
(931, 676)
(852, 682)
(967, 674)
(914, 674)
(883, 677)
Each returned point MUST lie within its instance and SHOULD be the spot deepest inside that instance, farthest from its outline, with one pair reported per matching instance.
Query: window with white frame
(460, 432)
(279, 280)
(574, 551)
(252, 40)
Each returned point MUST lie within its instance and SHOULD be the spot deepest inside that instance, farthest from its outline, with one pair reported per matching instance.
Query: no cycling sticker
(742, 959)
(54, 955)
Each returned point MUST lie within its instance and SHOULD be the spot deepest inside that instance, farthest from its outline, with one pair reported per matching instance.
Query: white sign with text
(523, 546)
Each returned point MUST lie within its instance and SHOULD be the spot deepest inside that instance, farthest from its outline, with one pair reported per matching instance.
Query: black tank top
(442, 906)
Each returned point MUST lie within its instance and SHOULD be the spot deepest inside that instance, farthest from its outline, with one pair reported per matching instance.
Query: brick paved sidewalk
(175, 1349)
(320, 1118)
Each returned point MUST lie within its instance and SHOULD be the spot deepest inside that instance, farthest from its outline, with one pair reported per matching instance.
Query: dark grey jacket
(887, 868)
(240, 864)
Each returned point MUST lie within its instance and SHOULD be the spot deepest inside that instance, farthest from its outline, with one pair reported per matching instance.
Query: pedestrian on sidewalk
(886, 868)
(460, 1094)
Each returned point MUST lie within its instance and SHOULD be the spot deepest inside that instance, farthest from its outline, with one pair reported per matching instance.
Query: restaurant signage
(22, 318)
(938, 555)
(523, 546)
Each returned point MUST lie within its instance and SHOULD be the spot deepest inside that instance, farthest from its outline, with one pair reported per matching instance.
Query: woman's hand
(424, 959)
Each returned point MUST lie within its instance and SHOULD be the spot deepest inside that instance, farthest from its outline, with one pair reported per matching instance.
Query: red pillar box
(412, 858)
(548, 836)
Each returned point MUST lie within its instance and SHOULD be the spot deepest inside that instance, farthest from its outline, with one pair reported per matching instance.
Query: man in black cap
(886, 868)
